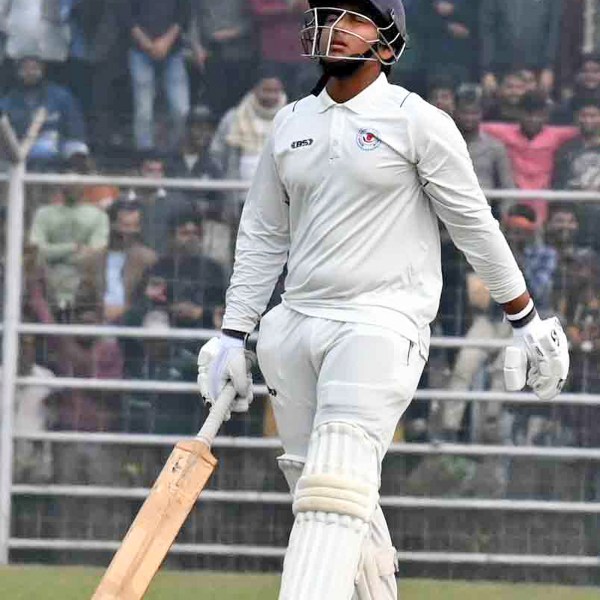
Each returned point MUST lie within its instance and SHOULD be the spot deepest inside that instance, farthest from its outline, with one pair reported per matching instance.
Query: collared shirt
(532, 159)
(114, 295)
(351, 193)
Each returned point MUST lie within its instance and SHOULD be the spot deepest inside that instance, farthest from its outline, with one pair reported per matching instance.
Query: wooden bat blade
(158, 522)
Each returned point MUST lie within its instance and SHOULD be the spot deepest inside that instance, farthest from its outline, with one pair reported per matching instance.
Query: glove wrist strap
(523, 317)
(238, 335)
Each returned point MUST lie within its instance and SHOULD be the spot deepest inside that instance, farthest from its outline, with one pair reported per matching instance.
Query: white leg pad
(334, 502)
(379, 562)
(291, 466)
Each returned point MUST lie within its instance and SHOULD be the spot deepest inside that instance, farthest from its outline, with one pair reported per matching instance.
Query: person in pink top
(280, 46)
(532, 145)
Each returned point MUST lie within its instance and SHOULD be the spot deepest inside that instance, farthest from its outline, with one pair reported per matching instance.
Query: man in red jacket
(278, 22)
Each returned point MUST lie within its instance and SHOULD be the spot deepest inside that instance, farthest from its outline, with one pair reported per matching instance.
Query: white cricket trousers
(319, 371)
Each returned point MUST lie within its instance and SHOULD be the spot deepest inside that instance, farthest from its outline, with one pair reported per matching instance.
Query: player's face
(589, 121)
(468, 118)
(443, 98)
(512, 89)
(589, 75)
(529, 80)
(269, 92)
(533, 122)
(31, 72)
(562, 227)
(347, 32)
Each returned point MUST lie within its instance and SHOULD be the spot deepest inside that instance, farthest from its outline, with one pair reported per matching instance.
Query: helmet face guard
(325, 21)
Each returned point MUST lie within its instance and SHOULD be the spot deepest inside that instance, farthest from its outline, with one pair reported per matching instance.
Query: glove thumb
(515, 368)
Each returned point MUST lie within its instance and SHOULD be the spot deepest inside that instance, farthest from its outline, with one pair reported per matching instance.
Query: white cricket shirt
(349, 195)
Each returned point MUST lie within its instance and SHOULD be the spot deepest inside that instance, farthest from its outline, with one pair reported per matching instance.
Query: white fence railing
(13, 327)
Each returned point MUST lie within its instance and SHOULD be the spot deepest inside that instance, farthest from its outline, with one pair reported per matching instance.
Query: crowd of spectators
(188, 89)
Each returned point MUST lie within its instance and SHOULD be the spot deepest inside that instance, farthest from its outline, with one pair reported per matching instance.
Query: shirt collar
(362, 102)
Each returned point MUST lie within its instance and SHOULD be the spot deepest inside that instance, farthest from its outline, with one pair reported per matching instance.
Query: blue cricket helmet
(388, 15)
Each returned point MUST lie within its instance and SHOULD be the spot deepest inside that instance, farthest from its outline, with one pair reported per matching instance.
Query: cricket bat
(162, 515)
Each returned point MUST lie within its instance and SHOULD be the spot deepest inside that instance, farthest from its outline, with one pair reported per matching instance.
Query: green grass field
(41, 583)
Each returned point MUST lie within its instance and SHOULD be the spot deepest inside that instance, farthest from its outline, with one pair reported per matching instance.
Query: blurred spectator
(504, 105)
(411, 71)
(33, 414)
(279, 22)
(86, 357)
(119, 270)
(63, 132)
(522, 32)
(562, 231)
(538, 263)
(489, 156)
(66, 233)
(158, 205)
(442, 94)
(578, 167)
(35, 27)
(243, 131)
(450, 37)
(99, 50)
(223, 50)
(184, 281)
(537, 260)
(161, 360)
(156, 52)
(584, 331)
(193, 159)
(532, 146)
(580, 35)
(587, 87)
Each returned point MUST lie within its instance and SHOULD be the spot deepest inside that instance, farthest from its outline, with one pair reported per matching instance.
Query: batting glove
(222, 360)
(538, 356)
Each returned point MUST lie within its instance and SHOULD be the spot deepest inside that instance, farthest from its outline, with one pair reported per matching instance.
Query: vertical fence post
(10, 342)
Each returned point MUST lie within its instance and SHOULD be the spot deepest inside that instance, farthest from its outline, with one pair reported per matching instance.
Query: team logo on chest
(368, 139)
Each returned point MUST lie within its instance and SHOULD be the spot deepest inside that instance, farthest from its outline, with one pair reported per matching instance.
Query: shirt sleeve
(262, 247)
(100, 232)
(504, 169)
(38, 236)
(449, 180)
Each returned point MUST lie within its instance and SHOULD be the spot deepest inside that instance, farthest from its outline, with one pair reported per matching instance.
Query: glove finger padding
(547, 352)
(206, 358)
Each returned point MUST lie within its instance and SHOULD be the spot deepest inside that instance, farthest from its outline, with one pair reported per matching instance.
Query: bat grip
(216, 416)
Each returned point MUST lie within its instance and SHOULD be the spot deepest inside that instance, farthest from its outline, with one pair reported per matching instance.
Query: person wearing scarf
(243, 130)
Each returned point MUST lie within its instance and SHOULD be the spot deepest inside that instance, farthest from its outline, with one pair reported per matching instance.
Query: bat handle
(216, 416)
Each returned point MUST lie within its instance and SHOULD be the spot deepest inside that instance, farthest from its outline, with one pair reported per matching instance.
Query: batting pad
(376, 578)
(334, 502)
(291, 466)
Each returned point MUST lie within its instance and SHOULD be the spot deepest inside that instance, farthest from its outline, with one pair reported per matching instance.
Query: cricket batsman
(348, 193)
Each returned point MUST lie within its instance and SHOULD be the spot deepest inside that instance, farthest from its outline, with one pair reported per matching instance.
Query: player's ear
(384, 52)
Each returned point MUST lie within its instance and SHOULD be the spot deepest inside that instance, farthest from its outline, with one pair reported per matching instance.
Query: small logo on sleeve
(368, 139)
(302, 143)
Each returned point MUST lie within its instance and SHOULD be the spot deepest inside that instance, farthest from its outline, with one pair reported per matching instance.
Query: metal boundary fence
(12, 327)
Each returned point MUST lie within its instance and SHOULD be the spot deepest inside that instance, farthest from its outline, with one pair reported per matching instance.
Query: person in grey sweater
(223, 50)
